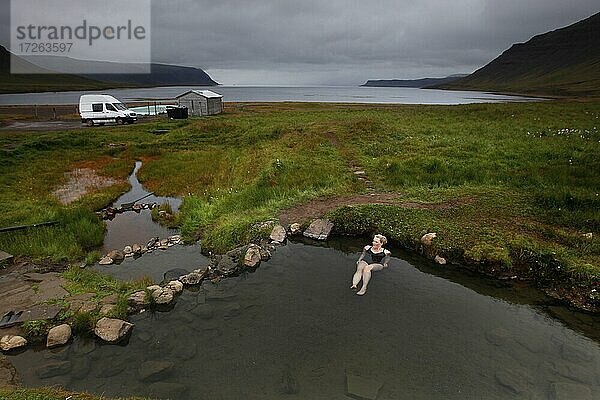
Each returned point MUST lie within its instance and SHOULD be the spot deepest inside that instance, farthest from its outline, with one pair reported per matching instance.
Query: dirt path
(318, 207)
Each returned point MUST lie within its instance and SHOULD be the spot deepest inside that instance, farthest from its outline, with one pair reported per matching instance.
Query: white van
(102, 108)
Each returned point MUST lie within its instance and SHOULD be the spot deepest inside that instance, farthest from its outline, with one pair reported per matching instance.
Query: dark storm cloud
(348, 41)
(342, 41)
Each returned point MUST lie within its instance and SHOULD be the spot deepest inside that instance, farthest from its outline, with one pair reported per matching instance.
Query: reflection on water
(294, 326)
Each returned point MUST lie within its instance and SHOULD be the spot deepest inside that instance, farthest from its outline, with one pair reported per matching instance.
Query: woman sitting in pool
(373, 258)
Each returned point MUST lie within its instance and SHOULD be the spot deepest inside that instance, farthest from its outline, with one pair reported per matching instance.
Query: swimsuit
(374, 258)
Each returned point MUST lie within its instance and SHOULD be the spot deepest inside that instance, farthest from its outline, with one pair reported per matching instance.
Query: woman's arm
(386, 259)
(363, 254)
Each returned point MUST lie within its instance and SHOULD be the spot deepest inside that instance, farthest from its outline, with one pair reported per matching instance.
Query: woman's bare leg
(366, 276)
(358, 274)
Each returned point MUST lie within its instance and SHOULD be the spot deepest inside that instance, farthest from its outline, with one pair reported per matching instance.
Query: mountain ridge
(561, 62)
(160, 75)
(414, 83)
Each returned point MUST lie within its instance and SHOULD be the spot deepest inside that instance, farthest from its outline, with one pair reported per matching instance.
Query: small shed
(201, 102)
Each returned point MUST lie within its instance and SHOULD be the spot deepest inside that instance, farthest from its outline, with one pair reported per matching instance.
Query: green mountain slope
(563, 62)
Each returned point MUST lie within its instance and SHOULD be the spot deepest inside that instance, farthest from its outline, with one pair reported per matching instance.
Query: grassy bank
(52, 394)
(501, 184)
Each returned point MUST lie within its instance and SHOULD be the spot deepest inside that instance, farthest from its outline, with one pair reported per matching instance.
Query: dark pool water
(294, 326)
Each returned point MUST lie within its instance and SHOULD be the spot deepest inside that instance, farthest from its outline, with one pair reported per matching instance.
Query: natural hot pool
(294, 328)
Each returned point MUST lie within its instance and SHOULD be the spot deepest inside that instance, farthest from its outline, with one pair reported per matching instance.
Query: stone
(112, 330)
(107, 309)
(105, 261)
(175, 239)
(588, 235)
(58, 336)
(127, 250)
(228, 266)
(117, 366)
(427, 239)
(152, 242)
(319, 229)
(295, 228)
(252, 257)
(162, 295)
(175, 286)
(498, 336)
(570, 391)
(10, 342)
(174, 274)
(88, 306)
(136, 249)
(9, 377)
(138, 299)
(362, 388)
(116, 255)
(193, 278)
(152, 288)
(152, 371)
(204, 311)
(440, 260)
(110, 299)
(516, 380)
(56, 368)
(42, 311)
(83, 346)
(265, 254)
(278, 234)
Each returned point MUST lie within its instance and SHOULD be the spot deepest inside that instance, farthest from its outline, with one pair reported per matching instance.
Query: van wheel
(120, 121)
(90, 122)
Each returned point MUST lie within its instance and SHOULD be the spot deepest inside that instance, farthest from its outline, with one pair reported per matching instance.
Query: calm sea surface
(336, 94)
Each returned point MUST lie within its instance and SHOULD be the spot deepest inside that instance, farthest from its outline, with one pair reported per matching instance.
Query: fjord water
(294, 328)
(337, 94)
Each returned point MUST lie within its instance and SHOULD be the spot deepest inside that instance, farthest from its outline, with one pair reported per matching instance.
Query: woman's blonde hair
(381, 238)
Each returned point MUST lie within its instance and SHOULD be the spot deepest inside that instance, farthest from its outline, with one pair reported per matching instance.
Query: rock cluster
(136, 250)
(232, 263)
(111, 212)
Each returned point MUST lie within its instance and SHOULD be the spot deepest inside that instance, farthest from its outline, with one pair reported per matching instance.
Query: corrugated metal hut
(201, 102)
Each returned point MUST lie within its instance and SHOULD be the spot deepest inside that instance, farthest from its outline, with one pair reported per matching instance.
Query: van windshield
(119, 106)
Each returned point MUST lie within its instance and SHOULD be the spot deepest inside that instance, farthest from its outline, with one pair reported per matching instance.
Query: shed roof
(203, 93)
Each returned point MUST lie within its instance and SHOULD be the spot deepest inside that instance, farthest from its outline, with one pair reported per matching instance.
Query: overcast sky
(333, 42)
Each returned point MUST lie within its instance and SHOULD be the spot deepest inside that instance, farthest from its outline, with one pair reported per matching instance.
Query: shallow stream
(293, 328)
